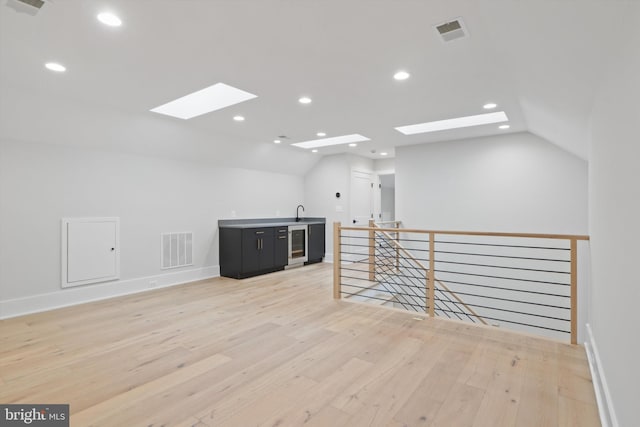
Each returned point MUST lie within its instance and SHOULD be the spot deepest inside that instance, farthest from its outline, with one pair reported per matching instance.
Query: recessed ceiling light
(276, 141)
(504, 127)
(314, 151)
(321, 134)
(54, 66)
(109, 19)
(304, 100)
(238, 118)
(458, 122)
(353, 144)
(336, 140)
(401, 75)
(383, 154)
(204, 101)
(489, 106)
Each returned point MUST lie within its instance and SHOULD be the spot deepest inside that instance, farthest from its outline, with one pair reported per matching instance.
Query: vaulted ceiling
(541, 61)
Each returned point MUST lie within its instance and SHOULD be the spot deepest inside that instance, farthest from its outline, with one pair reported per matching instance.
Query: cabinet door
(281, 246)
(267, 249)
(258, 251)
(251, 249)
(230, 249)
(316, 242)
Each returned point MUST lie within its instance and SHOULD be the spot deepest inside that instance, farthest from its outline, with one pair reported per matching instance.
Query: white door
(361, 211)
(90, 251)
(361, 198)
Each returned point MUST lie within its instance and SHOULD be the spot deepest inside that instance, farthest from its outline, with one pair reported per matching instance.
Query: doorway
(388, 197)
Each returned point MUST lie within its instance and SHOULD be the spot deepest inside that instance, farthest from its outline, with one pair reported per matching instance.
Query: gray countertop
(267, 222)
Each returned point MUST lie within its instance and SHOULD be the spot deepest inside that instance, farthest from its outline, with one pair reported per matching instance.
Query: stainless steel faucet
(297, 214)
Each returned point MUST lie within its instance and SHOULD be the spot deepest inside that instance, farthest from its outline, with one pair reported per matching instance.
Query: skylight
(204, 101)
(335, 140)
(459, 122)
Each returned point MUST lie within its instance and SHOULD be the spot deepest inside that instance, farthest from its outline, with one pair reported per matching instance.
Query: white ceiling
(541, 61)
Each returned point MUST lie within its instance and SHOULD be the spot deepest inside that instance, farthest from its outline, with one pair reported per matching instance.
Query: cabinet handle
(282, 237)
(258, 244)
(259, 232)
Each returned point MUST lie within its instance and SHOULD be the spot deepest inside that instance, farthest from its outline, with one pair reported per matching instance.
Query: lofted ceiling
(541, 61)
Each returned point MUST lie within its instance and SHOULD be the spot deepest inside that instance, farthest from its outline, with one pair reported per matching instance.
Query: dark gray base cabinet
(248, 252)
(316, 245)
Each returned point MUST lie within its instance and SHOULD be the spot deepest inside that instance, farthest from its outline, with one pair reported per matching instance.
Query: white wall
(510, 183)
(614, 226)
(329, 176)
(332, 174)
(41, 183)
(359, 163)
(384, 166)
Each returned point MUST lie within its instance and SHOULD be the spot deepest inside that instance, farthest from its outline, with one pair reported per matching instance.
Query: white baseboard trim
(603, 397)
(82, 294)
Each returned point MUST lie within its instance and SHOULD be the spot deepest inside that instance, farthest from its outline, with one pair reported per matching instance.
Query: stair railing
(523, 281)
(433, 283)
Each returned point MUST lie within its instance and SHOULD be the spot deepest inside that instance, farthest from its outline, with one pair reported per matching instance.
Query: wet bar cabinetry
(252, 247)
(247, 252)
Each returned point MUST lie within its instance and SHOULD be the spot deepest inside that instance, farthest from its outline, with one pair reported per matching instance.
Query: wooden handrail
(476, 233)
(428, 272)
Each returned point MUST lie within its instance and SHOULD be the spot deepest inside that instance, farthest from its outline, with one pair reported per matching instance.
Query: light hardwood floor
(277, 350)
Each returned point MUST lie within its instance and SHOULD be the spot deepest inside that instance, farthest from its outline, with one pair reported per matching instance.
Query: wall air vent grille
(176, 250)
(452, 30)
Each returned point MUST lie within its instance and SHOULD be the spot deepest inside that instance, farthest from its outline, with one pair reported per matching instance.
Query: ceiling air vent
(30, 7)
(452, 30)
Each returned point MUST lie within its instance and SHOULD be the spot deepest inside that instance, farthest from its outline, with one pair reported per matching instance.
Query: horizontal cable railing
(525, 281)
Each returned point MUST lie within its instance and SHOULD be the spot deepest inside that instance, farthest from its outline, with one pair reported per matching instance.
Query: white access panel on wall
(90, 250)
